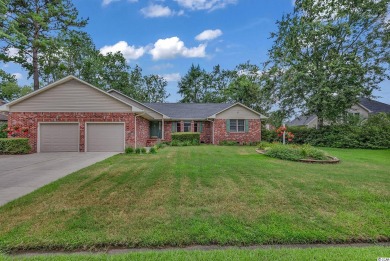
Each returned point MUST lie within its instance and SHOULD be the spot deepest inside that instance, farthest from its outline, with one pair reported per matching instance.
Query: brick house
(72, 115)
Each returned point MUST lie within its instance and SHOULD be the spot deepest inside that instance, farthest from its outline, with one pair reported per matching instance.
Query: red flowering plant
(289, 135)
(15, 131)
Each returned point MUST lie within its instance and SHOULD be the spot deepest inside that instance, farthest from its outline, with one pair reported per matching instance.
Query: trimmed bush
(143, 150)
(129, 150)
(193, 137)
(269, 135)
(3, 133)
(153, 150)
(292, 152)
(14, 146)
(138, 151)
(228, 143)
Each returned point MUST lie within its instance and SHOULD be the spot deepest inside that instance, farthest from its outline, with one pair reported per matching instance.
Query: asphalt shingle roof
(375, 106)
(301, 120)
(188, 110)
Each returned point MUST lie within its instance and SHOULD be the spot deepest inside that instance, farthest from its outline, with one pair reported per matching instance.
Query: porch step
(151, 142)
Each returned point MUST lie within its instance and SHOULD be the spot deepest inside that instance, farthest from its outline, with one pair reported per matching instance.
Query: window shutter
(200, 126)
(227, 125)
(174, 124)
(246, 125)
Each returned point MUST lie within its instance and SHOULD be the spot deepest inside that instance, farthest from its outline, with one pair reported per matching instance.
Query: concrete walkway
(22, 174)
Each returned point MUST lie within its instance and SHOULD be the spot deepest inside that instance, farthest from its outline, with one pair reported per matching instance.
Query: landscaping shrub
(129, 150)
(3, 133)
(285, 152)
(138, 151)
(269, 135)
(143, 150)
(374, 133)
(292, 152)
(228, 143)
(14, 146)
(186, 136)
(153, 150)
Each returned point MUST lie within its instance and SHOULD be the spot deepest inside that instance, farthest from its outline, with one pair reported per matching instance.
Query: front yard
(206, 195)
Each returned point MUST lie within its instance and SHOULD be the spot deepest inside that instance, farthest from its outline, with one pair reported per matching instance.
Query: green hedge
(186, 137)
(14, 146)
(374, 133)
(3, 127)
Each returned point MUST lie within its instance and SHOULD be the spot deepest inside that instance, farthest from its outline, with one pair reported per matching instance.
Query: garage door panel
(105, 137)
(59, 137)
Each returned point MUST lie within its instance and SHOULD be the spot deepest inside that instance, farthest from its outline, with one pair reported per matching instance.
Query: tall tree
(9, 88)
(155, 89)
(327, 54)
(29, 27)
(192, 86)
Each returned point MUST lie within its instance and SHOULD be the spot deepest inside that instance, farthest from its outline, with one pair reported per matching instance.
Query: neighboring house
(363, 109)
(72, 115)
(3, 115)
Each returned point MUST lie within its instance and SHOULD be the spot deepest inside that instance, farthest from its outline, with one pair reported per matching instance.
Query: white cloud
(17, 76)
(171, 77)
(208, 35)
(172, 47)
(130, 52)
(157, 11)
(12, 52)
(205, 4)
(159, 67)
(107, 2)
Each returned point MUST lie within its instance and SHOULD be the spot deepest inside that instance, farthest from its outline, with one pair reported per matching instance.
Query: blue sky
(166, 36)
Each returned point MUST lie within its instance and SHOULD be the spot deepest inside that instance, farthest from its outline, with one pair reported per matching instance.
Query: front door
(155, 129)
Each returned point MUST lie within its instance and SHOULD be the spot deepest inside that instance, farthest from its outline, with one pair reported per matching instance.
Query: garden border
(333, 160)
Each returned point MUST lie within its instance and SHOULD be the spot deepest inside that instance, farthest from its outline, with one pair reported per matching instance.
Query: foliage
(243, 84)
(153, 150)
(193, 137)
(374, 133)
(228, 143)
(129, 150)
(31, 27)
(11, 90)
(3, 128)
(327, 54)
(14, 146)
(143, 150)
(269, 135)
(138, 151)
(292, 152)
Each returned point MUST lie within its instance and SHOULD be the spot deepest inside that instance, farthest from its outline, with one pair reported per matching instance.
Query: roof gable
(71, 95)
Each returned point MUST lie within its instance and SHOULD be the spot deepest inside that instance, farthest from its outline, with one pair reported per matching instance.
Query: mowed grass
(334, 254)
(205, 195)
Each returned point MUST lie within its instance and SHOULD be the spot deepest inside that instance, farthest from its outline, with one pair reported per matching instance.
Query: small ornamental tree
(282, 131)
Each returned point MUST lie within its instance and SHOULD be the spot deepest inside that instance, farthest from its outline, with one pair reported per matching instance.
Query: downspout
(162, 129)
(135, 127)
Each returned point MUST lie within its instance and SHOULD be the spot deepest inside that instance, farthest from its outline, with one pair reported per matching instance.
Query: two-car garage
(65, 136)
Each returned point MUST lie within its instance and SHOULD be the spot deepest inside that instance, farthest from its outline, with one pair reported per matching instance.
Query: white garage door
(57, 137)
(105, 137)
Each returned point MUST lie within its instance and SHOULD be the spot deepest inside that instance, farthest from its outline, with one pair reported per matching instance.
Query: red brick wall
(31, 120)
(143, 131)
(220, 133)
(205, 136)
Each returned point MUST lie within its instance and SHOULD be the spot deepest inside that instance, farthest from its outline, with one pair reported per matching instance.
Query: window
(237, 125)
(187, 126)
(178, 126)
(198, 127)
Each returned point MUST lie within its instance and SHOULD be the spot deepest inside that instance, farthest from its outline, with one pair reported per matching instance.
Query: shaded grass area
(205, 195)
(337, 254)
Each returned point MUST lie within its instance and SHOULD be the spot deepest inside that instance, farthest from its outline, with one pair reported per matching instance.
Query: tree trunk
(35, 69)
(320, 122)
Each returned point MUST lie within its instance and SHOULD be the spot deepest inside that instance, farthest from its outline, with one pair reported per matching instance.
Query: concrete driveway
(22, 174)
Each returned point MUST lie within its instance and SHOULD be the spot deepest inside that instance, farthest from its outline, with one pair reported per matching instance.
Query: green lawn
(334, 254)
(205, 195)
